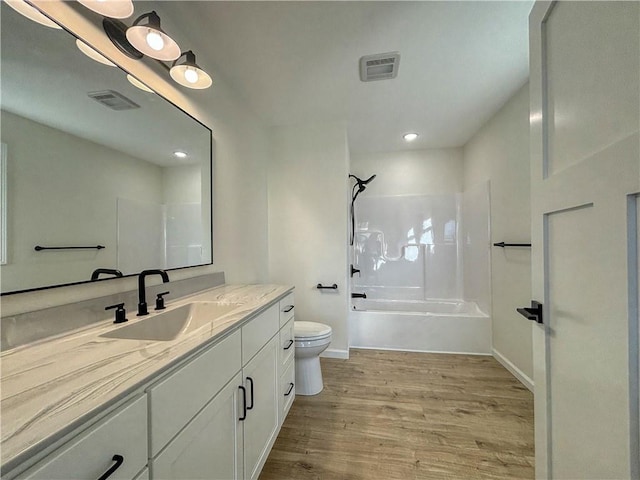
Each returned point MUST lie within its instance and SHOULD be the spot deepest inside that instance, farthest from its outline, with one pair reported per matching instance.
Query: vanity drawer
(90, 454)
(258, 331)
(287, 343)
(287, 305)
(287, 390)
(176, 399)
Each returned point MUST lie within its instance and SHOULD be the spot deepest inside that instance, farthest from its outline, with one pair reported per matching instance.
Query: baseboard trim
(334, 353)
(445, 352)
(515, 371)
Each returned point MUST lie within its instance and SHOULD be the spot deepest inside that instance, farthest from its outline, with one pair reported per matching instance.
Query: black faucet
(358, 295)
(142, 301)
(107, 271)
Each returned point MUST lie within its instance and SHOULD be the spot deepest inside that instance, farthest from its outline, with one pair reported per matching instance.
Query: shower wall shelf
(38, 248)
(503, 245)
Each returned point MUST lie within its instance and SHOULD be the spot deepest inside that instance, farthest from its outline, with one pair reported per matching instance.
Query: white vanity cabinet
(217, 416)
(214, 416)
(117, 443)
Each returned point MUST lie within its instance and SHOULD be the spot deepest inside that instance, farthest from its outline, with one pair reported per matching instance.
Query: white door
(585, 175)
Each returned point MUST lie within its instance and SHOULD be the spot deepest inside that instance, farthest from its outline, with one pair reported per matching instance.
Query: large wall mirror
(89, 160)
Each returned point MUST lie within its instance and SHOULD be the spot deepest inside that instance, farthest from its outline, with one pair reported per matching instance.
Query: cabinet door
(287, 343)
(210, 446)
(287, 390)
(286, 309)
(118, 442)
(176, 399)
(261, 424)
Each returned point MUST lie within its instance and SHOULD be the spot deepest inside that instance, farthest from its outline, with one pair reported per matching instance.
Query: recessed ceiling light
(410, 137)
(179, 154)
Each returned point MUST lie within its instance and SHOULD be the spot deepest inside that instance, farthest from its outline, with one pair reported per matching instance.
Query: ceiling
(297, 62)
(46, 78)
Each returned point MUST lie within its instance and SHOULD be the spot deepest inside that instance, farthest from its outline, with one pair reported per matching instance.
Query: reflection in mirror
(92, 160)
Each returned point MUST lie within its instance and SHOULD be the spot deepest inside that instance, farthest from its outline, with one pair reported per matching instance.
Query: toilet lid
(310, 329)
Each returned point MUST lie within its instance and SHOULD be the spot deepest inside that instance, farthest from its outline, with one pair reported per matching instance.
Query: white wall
(241, 152)
(414, 172)
(499, 152)
(39, 159)
(181, 184)
(308, 222)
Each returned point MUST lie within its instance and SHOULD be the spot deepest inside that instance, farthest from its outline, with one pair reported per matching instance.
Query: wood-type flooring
(400, 415)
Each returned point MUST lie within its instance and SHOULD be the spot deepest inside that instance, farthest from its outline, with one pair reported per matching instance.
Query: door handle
(244, 403)
(251, 391)
(534, 312)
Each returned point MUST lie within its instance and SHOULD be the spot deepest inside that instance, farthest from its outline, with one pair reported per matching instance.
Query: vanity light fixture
(410, 137)
(147, 37)
(187, 72)
(93, 54)
(110, 8)
(137, 83)
(179, 154)
(32, 13)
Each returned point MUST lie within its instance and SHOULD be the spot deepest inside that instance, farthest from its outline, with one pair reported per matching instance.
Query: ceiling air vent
(381, 66)
(113, 100)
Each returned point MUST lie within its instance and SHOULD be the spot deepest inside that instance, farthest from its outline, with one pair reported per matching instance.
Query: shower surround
(424, 265)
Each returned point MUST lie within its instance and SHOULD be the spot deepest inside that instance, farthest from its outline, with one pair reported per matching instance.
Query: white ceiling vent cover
(113, 100)
(381, 66)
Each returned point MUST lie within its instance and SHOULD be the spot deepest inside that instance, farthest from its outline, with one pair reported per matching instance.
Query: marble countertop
(53, 385)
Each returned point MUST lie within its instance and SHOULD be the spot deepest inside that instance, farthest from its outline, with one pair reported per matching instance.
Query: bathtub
(445, 326)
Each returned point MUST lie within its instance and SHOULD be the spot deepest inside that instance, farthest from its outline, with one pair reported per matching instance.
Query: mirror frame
(211, 167)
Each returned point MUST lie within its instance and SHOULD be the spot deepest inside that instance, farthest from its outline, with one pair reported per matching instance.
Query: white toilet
(311, 339)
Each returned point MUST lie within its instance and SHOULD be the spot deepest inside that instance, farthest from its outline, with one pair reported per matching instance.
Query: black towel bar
(502, 244)
(38, 248)
(324, 287)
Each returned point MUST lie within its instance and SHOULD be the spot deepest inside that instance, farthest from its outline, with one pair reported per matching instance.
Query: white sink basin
(171, 324)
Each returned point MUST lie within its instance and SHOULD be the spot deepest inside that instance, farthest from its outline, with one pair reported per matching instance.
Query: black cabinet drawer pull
(289, 345)
(290, 389)
(251, 390)
(116, 458)
(244, 403)
(288, 308)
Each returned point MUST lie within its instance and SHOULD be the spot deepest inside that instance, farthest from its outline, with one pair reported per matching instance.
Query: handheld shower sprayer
(357, 189)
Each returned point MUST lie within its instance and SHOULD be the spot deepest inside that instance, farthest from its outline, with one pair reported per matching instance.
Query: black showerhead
(362, 183)
(365, 182)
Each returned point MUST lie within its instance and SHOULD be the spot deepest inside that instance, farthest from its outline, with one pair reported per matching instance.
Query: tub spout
(358, 295)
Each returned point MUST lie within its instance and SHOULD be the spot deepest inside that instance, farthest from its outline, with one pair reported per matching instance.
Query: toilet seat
(310, 331)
